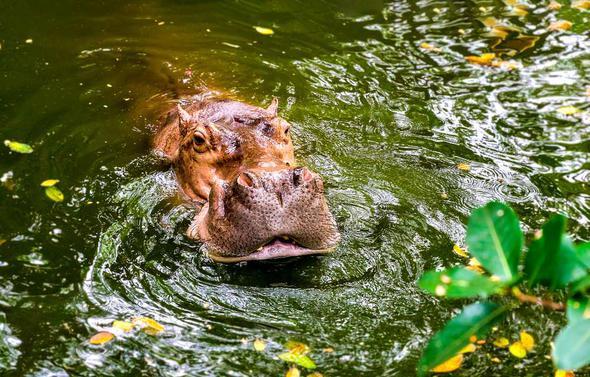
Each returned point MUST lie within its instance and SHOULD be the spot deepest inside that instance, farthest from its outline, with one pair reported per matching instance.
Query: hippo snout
(268, 214)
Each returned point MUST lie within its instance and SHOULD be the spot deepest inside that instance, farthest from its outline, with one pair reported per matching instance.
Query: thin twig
(529, 299)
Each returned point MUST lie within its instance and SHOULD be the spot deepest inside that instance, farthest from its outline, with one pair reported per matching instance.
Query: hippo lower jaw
(275, 249)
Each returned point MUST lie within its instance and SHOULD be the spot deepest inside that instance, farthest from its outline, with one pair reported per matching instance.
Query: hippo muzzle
(267, 214)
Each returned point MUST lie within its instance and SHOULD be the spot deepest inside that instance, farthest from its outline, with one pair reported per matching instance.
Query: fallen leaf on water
(101, 337)
(460, 251)
(517, 350)
(475, 266)
(483, 59)
(568, 110)
(527, 341)
(264, 30)
(450, 365)
(293, 372)
(429, 47)
(297, 348)
(29, 40)
(301, 360)
(519, 10)
(148, 325)
(506, 64)
(501, 342)
(554, 5)
(499, 32)
(49, 182)
(259, 345)
(581, 4)
(564, 373)
(468, 348)
(123, 325)
(315, 374)
(15, 146)
(463, 166)
(495, 360)
(54, 194)
(560, 25)
(328, 350)
(490, 21)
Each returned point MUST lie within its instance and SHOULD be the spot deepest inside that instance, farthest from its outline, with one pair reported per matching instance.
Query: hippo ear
(185, 119)
(274, 106)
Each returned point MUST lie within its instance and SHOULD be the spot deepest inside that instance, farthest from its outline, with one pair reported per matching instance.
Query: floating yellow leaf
(123, 325)
(148, 325)
(463, 166)
(481, 341)
(554, 5)
(15, 146)
(49, 182)
(468, 348)
(450, 365)
(483, 59)
(429, 47)
(499, 32)
(315, 374)
(517, 350)
(581, 4)
(259, 345)
(495, 360)
(518, 10)
(297, 348)
(564, 373)
(459, 251)
(264, 30)
(560, 25)
(54, 194)
(568, 110)
(328, 350)
(501, 342)
(475, 266)
(101, 337)
(527, 341)
(293, 372)
(490, 21)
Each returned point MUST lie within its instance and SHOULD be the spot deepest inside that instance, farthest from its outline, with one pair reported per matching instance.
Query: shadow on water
(383, 120)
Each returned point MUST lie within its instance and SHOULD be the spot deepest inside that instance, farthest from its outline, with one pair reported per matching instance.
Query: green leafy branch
(495, 239)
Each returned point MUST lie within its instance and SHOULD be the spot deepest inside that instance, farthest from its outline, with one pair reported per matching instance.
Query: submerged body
(237, 160)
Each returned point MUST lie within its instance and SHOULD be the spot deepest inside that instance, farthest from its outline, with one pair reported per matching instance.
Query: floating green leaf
(572, 345)
(552, 259)
(475, 320)
(54, 194)
(15, 146)
(495, 239)
(458, 283)
(578, 309)
(299, 359)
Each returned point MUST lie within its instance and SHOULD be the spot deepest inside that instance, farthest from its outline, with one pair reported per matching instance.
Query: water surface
(384, 121)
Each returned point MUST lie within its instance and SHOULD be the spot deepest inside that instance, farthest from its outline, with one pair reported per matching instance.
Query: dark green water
(384, 121)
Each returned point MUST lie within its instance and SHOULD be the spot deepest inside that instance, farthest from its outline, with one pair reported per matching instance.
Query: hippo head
(258, 203)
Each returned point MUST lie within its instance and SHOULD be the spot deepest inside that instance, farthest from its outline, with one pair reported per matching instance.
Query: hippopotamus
(235, 162)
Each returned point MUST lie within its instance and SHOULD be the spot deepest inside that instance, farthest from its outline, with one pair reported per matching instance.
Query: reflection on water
(385, 122)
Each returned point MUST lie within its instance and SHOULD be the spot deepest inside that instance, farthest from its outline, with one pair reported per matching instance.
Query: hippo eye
(199, 140)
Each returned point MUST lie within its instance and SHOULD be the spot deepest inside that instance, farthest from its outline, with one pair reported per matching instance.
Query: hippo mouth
(276, 248)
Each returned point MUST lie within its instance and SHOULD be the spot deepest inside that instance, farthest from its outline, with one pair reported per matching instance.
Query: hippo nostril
(246, 179)
(301, 175)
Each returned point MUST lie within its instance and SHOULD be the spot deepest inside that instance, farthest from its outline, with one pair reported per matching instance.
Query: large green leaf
(475, 320)
(572, 346)
(583, 252)
(578, 309)
(552, 259)
(495, 239)
(580, 286)
(458, 283)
